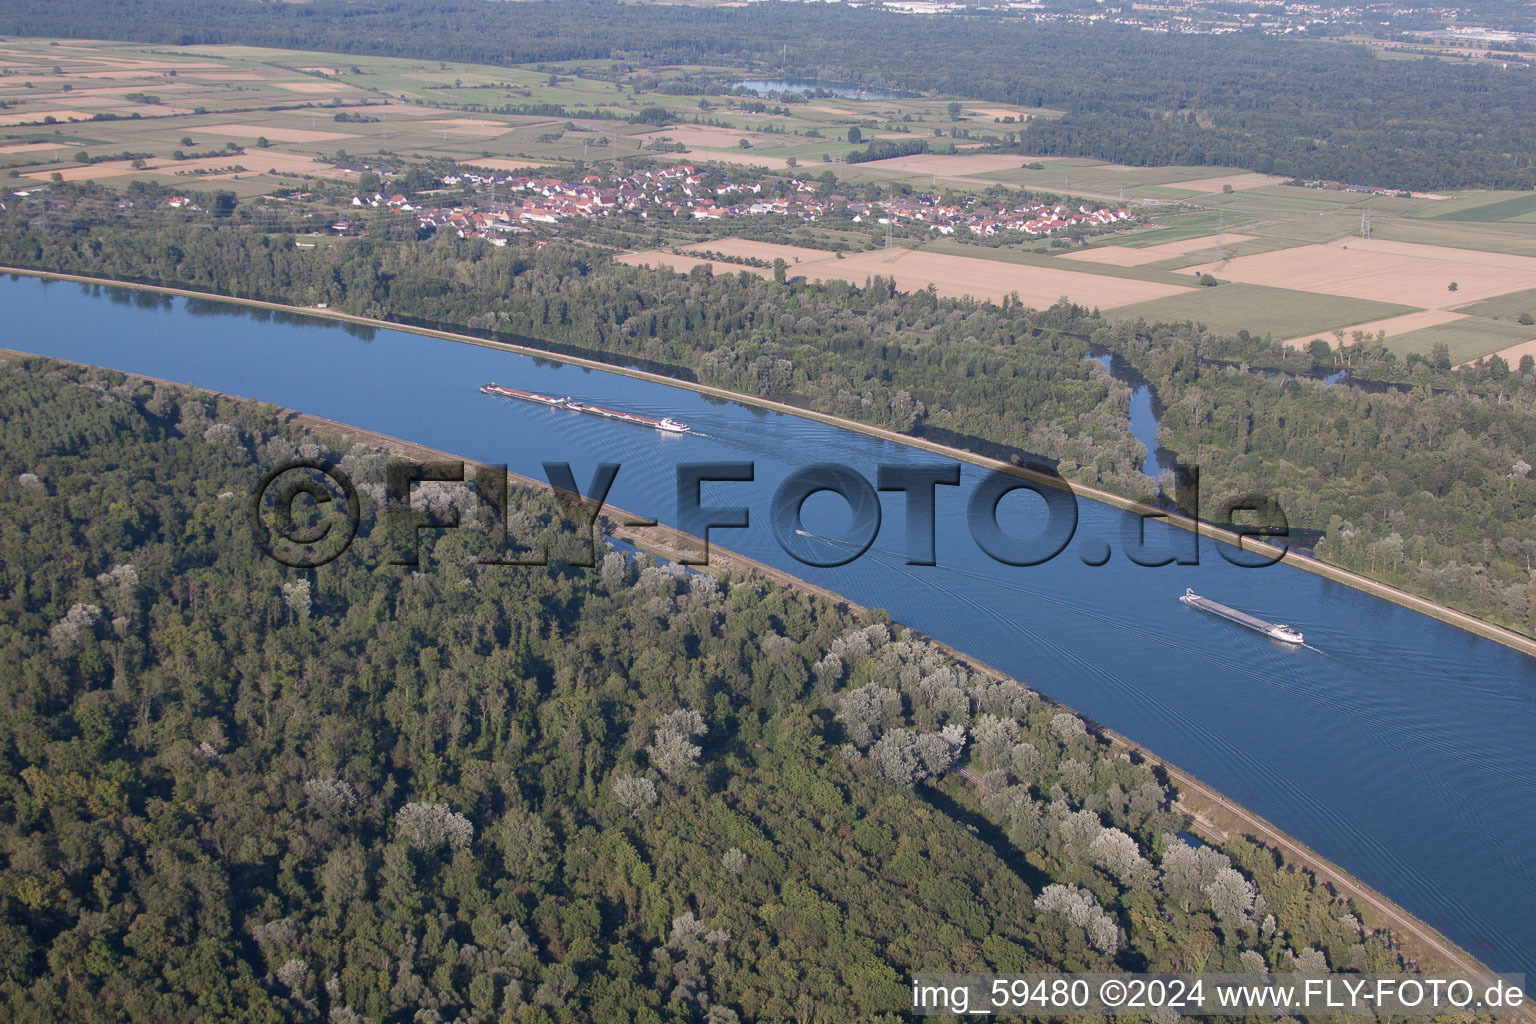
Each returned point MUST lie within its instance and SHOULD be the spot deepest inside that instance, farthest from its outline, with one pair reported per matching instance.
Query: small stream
(1146, 415)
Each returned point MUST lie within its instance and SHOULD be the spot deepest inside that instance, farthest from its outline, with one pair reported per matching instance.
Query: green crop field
(1203, 258)
(1467, 339)
(1505, 209)
(1177, 227)
(1487, 236)
(1261, 310)
(1282, 200)
(1462, 202)
(1509, 306)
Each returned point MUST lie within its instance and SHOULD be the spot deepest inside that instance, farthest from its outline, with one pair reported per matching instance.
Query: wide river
(1397, 746)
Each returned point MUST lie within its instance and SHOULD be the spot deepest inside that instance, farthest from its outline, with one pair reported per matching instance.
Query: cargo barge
(1270, 629)
(667, 425)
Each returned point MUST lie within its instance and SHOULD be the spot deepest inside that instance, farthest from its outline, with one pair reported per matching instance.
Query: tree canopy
(239, 791)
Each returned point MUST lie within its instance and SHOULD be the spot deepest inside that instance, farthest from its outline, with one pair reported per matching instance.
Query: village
(684, 191)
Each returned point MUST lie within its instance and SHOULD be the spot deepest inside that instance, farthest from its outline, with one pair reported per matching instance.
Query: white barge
(1270, 629)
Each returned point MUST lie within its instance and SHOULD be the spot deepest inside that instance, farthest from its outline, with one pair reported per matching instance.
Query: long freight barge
(1269, 629)
(667, 425)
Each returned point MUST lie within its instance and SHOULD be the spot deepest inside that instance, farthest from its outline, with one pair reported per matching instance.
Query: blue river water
(1397, 746)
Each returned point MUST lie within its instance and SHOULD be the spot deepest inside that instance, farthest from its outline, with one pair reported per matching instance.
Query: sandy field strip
(1514, 353)
(952, 276)
(477, 131)
(683, 264)
(119, 91)
(312, 87)
(105, 169)
(115, 75)
(501, 163)
(471, 126)
(1393, 325)
(139, 64)
(1450, 254)
(1237, 181)
(38, 115)
(1401, 272)
(993, 279)
(227, 50)
(952, 166)
(259, 161)
(28, 147)
(713, 138)
(227, 76)
(82, 101)
(257, 131)
(769, 251)
(999, 112)
(403, 109)
(116, 104)
(1124, 256)
(743, 157)
(255, 161)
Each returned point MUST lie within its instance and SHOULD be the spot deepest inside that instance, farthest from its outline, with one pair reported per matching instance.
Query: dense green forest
(1302, 108)
(236, 791)
(1419, 477)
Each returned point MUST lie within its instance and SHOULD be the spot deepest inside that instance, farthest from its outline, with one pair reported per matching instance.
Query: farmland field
(709, 137)
(1514, 353)
(1511, 305)
(1237, 182)
(1261, 310)
(1466, 338)
(1392, 325)
(951, 275)
(1511, 237)
(255, 162)
(737, 158)
(769, 251)
(1520, 206)
(1099, 177)
(255, 131)
(1385, 271)
(1175, 226)
(1288, 268)
(948, 166)
(1123, 256)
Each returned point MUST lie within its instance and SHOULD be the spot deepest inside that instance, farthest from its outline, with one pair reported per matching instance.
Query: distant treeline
(1304, 108)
